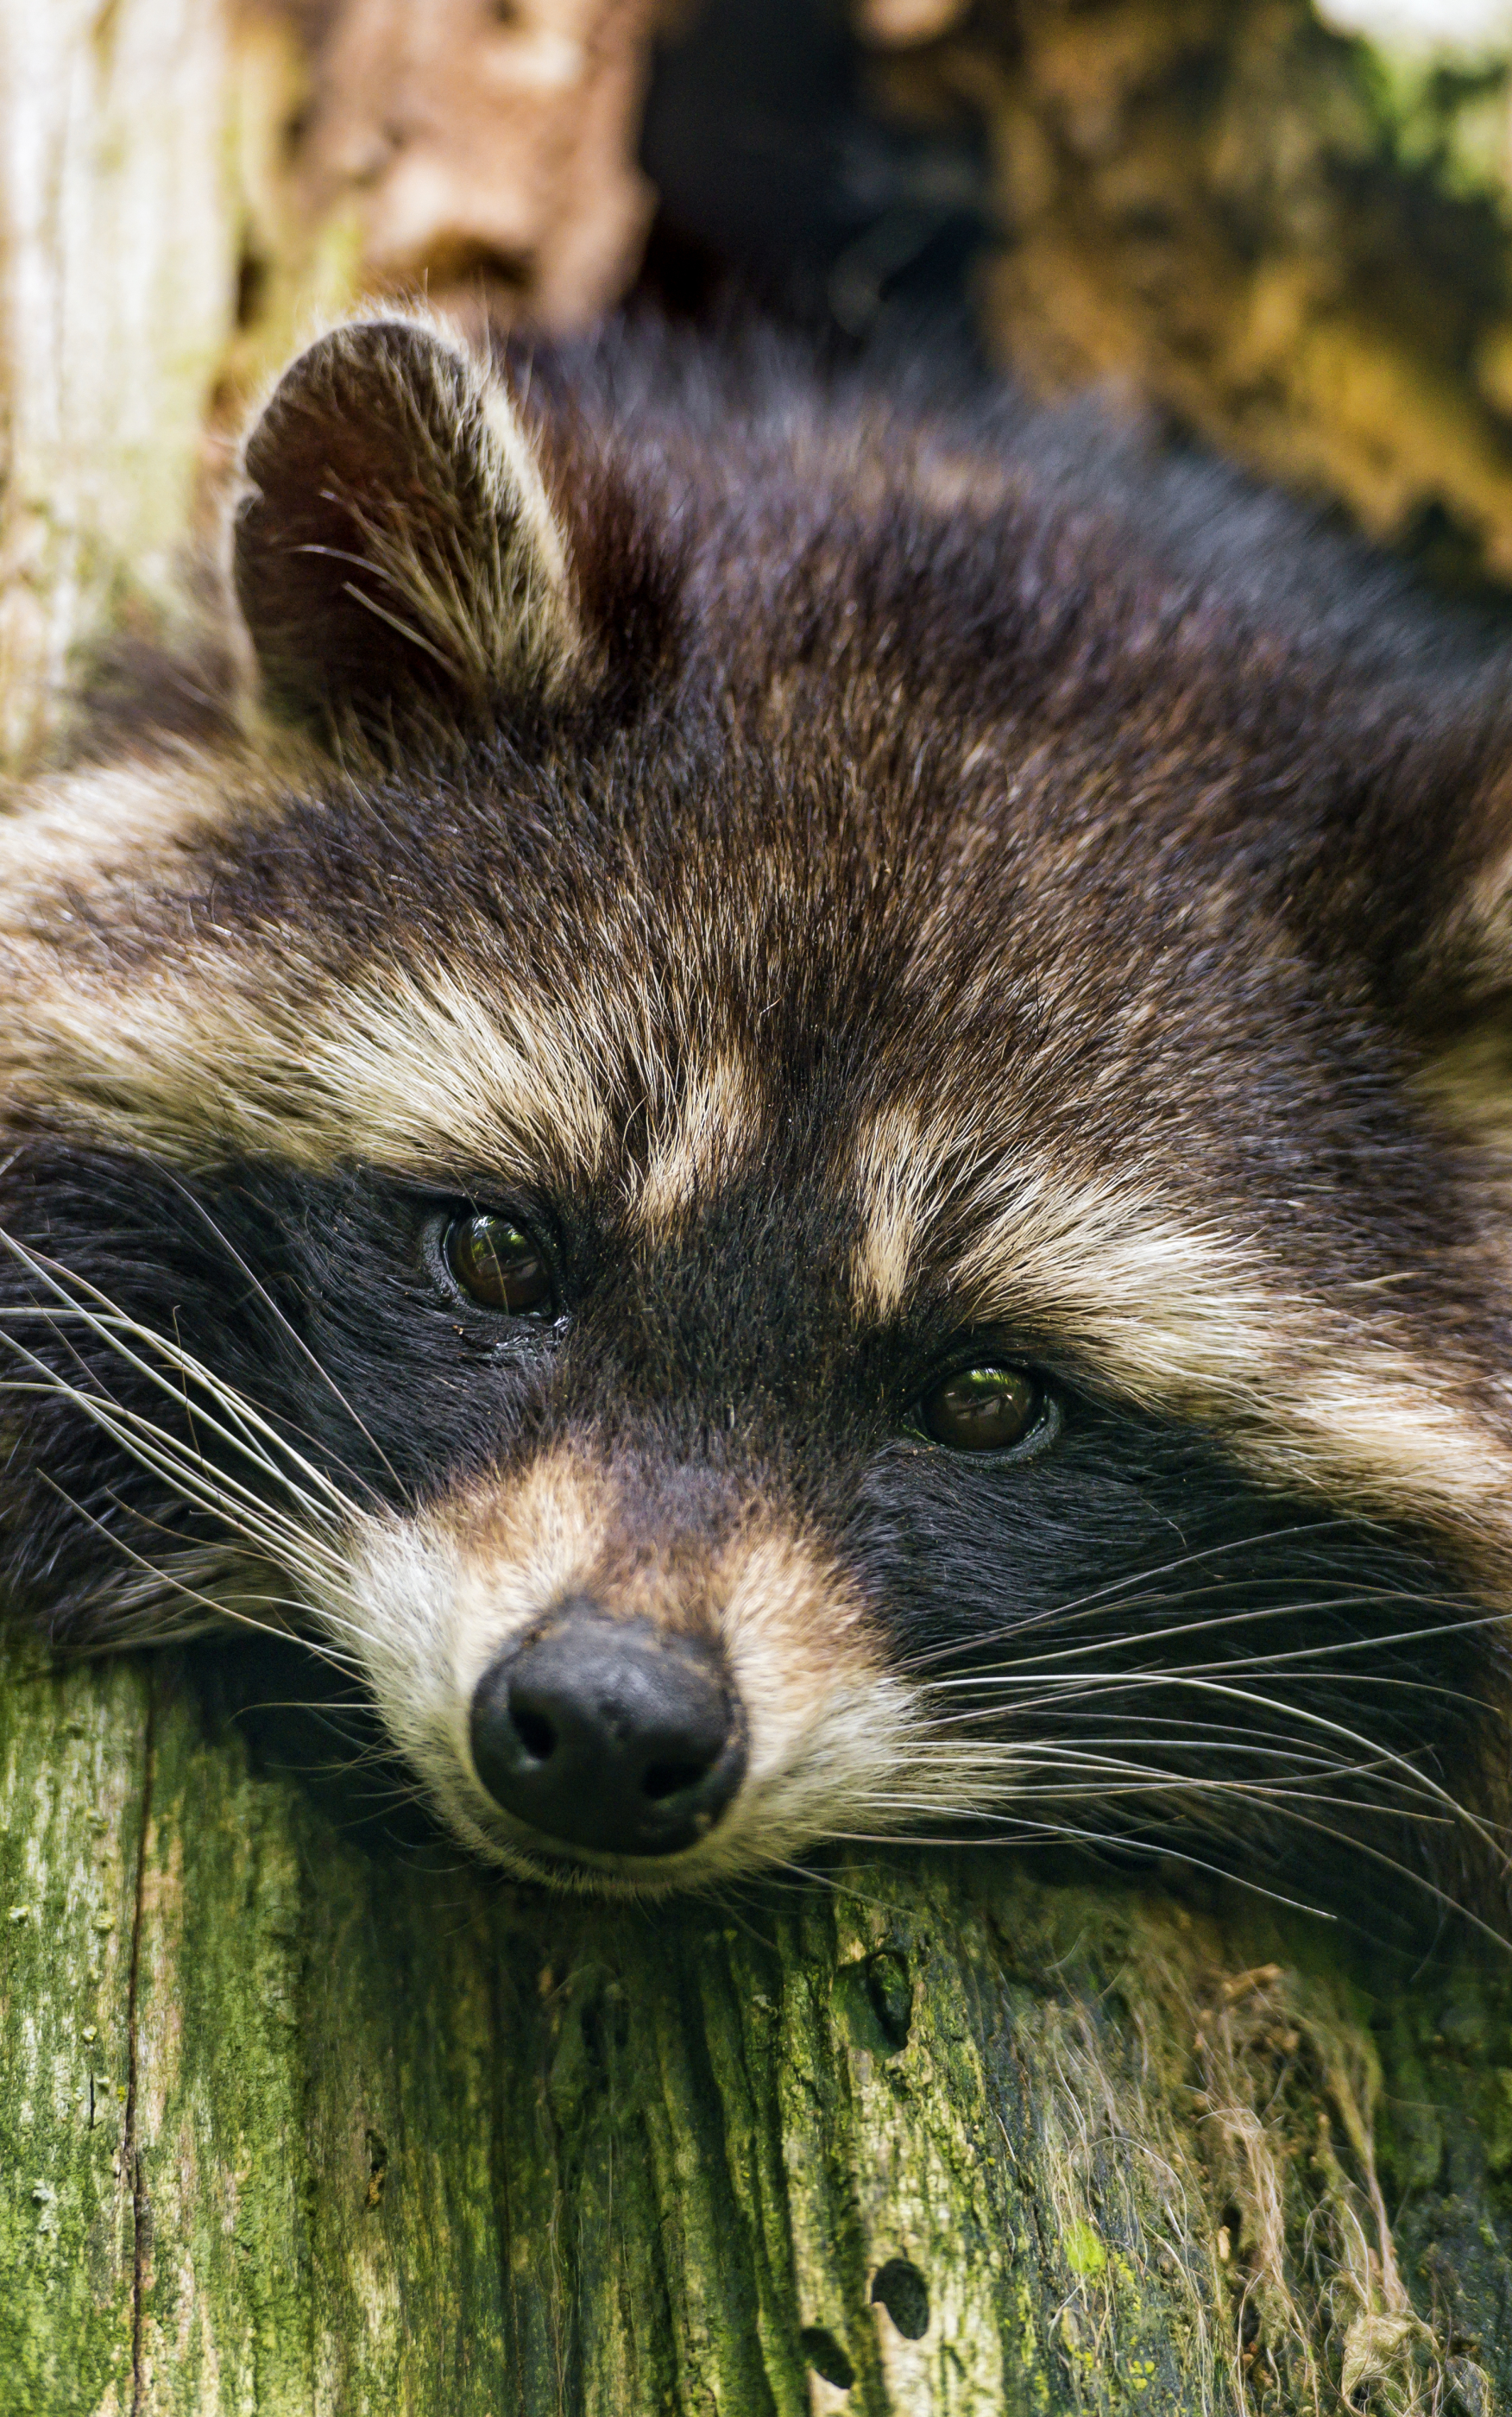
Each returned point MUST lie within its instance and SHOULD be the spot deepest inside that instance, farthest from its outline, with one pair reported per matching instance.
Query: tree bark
(295, 2118)
(296, 2121)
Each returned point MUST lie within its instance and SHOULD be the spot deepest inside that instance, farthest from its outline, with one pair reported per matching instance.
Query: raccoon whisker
(979, 1753)
(319, 1708)
(151, 1446)
(291, 1330)
(242, 1444)
(1009, 1822)
(1405, 1780)
(1288, 1657)
(1398, 1870)
(955, 1733)
(299, 1605)
(1279, 1752)
(1201, 1683)
(1366, 1599)
(115, 1324)
(344, 1766)
(334, 1718)
(119, 1420)
(245, 1517)
(363, 1758)
(234, 1406)
(1076, 1705)
(1163, 1763)
(1334, 1604)
(1116, 1757)
(1099, 1786)
(1084, 1698)
(1116, 1591)
(1318, 1667)
(1409, 1772)
(218, 1610)
(804, 1873)
(110, 1321)
(194, 1479)
(1060, 1696)
(1049, 1834)
(1206, 1623)
(1381, 1682)
(1131, 1601)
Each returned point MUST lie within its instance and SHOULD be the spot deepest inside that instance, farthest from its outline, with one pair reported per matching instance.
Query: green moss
(1084, 2253)
(405, 2138)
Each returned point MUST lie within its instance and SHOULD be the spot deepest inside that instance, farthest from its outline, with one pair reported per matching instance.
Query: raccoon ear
(398, 561)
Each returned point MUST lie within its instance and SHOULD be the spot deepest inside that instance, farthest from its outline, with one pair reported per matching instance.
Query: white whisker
(322, 1373)
(1207, 1624)
(300, 1539)
(1101, 1598)
(218, 1608)
(115, 1325)
(158, 1453)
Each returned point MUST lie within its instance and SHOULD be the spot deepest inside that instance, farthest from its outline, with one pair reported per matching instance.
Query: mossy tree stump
(296, 2120)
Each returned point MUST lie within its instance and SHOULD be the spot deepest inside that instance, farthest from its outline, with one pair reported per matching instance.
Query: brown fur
(864, 873)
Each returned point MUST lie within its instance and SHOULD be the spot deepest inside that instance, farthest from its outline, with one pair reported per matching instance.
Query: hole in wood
(826, 2356)
(377, 2167)
(875, 1994)
(900, 2288)
(891, 1993)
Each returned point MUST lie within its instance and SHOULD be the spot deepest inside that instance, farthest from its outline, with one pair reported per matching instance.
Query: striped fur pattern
(876, 884)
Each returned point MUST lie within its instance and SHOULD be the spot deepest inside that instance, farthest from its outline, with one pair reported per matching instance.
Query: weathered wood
(293, 2121)
(74, 1775)
(103, 408)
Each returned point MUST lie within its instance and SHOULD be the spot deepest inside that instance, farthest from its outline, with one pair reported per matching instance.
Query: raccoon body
(804, 1135)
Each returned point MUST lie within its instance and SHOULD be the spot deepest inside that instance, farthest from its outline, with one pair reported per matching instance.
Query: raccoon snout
(605, 1734)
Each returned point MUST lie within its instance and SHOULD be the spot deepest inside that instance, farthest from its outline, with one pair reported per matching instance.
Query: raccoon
(796, 1115)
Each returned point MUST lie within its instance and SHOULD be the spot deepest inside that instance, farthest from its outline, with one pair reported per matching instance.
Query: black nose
(606, 1734)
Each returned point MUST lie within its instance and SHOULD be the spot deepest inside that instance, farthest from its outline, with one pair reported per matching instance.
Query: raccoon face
(805, 1145)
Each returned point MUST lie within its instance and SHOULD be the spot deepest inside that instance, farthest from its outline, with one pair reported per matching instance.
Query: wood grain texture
(72, 1784)
(117, 227)
(295, 2118)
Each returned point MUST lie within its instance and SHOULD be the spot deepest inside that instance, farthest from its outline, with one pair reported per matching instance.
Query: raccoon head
(802, 1144)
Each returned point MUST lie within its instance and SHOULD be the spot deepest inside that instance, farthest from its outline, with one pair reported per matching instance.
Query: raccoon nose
(604, 1733)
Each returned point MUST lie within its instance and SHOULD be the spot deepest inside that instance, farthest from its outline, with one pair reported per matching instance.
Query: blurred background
(1283, 226)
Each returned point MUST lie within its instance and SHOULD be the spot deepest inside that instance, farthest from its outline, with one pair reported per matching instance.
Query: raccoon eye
(982, 1410)
(497, 1261)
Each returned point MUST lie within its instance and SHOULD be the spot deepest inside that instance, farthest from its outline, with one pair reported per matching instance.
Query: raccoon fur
(797, 1117)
